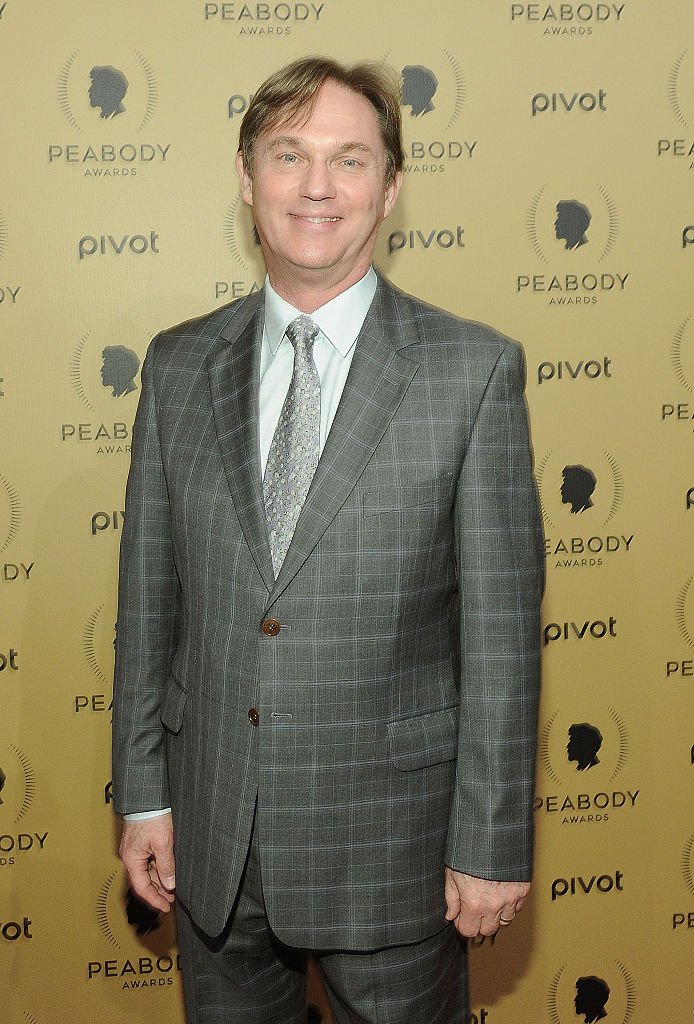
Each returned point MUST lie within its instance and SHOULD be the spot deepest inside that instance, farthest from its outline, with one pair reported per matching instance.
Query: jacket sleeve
(148, 609)
(501, 577)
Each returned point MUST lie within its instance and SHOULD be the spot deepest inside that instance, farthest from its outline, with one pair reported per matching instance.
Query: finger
(142, 886)
(158, 882)
(489, 926)
(506, 915)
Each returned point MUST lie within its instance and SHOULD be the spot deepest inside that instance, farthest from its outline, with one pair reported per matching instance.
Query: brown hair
(293, 90)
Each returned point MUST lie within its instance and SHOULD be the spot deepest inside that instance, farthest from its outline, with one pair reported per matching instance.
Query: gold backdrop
(549, 192)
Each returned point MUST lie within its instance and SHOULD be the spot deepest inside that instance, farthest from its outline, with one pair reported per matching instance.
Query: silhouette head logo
(107, 90)
(419, 86)
(577, 486)
(572, 222)
(584, 742)
(591, 996)
(3, 780)
(142, 917)
(118, 370)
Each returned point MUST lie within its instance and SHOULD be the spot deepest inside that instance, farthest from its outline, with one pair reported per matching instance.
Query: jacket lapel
(234, 372)
(377, 382)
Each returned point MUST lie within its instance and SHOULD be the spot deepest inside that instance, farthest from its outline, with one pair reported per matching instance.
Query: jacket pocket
(425, 740)
(426, 495)
(172, 708)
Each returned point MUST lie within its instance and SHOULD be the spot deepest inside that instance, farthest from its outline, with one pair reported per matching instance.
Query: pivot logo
(243, 242)
(11, 931)
(17, 793)
(100, 371)
(582, 496)
(98, 642)
(592, 990)
(684, 920)
(576, 231)
(114, 103)
(559, 102)
(433, 93)
(429, 238)
(596, 629)
(568, 19)
(680, 93)
(9, 660)
(682, 360)
(107, 521)
(143, 939)
(578, 369)
(107, 245)
(3, 9)
(677, 668)
(264, 19)
(577, 885)
(9, 293)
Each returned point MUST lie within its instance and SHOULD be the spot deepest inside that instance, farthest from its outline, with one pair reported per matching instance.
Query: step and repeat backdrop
(549, 192)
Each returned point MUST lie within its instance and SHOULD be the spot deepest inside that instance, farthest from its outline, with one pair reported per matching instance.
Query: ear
(392, 191)
(245, 180)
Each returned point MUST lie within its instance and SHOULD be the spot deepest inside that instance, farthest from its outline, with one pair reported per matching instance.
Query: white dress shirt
(339, 322)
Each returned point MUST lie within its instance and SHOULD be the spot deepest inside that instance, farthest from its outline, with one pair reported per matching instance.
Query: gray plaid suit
(397, 702)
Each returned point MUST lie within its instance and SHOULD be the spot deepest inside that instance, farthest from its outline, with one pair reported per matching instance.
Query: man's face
(318, 193)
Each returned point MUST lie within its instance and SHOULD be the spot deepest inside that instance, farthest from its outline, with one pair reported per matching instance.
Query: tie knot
(302, 331)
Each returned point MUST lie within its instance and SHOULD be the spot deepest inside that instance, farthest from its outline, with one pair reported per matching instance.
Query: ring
(502, 920)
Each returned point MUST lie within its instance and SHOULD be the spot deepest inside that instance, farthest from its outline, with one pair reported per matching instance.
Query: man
(328, 626)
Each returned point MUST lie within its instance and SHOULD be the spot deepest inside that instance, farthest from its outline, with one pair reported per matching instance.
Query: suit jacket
(397, 701)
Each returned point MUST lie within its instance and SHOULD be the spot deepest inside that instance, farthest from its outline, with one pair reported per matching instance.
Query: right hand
(146, 849)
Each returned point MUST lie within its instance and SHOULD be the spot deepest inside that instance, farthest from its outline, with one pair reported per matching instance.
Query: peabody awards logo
(683, 920)
(581, 493)
(678, 411)
(433, 92)
(17, 792)
(242, 241)
(590, 990)
(682, 668)
(105, 380)
(265, 19)
(8, 292)
(98, 639)
(572, 230)
(680, 93)
(142, 940)
(108, 101)
(10, 513)
(562, 20)
(582, 762)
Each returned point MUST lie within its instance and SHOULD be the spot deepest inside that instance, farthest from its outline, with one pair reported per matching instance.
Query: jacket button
(271, 627)
(253, 716)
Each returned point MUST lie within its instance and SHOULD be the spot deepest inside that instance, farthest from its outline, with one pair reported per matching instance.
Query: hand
(146, 849)
(477, 906)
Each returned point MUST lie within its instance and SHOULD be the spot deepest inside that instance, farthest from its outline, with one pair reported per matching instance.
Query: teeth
(322, 220)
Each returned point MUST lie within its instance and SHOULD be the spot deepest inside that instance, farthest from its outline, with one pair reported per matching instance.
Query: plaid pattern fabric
(397, 703)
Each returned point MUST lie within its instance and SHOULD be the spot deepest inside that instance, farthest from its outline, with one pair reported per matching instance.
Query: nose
(318, 183)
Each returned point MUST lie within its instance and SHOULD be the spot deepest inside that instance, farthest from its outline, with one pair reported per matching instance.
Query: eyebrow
(294, 140)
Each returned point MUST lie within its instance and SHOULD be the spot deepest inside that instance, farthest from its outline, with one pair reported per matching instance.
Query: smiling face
(319, 194)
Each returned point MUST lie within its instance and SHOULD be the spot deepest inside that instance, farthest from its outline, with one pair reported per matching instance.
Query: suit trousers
(247, 976)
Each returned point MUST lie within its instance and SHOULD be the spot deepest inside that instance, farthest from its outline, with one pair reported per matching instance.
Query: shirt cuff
(144, 815)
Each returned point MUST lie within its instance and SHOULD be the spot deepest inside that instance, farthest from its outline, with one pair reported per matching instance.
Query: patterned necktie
(295, 447)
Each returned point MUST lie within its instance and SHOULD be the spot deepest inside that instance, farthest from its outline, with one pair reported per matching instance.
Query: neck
(310, 293)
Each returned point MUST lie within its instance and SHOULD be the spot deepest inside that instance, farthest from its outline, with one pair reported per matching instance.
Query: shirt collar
(339, 320)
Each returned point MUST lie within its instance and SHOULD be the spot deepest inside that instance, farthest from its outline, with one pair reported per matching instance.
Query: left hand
(478, 906)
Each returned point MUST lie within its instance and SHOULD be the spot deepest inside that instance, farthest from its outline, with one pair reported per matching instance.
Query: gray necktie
(295, 447)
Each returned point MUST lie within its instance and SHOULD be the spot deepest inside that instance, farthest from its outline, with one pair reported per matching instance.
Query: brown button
(253, 716)
(271, 627)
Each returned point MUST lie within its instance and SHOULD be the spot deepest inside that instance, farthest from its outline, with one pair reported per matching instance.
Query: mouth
(315, 220)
